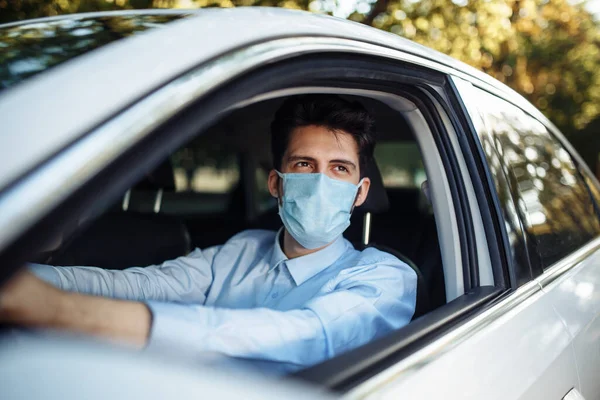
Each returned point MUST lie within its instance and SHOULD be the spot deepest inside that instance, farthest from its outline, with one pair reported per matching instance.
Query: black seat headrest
(377, 199)
(162, 177)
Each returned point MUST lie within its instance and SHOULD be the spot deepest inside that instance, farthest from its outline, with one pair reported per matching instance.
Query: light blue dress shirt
(245, 299)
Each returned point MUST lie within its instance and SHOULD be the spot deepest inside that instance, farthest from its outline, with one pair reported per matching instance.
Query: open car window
(221, 177)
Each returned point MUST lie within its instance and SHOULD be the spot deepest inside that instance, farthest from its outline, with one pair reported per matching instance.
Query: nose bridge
(320, 164)
(321, 167)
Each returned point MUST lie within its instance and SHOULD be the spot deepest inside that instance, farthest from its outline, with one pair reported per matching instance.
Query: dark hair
(324, 110)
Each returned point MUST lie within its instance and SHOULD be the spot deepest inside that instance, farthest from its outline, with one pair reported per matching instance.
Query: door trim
(562, 267)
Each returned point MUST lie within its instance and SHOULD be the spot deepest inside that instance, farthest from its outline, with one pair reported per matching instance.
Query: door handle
(573, 395)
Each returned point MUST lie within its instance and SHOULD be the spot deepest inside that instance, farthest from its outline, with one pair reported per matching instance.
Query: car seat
(133, 233)
(365, 218)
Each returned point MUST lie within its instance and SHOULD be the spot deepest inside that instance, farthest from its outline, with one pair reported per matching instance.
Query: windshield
(30, 48)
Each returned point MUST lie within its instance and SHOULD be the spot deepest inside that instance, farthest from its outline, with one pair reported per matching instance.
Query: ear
(363, 191)
(273, 183)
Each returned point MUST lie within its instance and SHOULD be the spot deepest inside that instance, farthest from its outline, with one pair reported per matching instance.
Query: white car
(128, 138)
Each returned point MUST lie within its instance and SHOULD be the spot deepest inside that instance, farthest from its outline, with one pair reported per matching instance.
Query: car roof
(47, 112)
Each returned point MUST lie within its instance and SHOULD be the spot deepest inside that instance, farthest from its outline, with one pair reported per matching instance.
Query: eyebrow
(336, 161)
(345, 162)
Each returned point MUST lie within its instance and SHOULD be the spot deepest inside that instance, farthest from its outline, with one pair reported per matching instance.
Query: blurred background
(547, 50)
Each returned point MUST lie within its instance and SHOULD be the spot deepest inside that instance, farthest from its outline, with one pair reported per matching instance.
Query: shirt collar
(305, 267)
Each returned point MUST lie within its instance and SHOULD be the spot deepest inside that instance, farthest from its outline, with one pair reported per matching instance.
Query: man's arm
(27, 301)
(183, 279)
(358, 310)
(378, 301)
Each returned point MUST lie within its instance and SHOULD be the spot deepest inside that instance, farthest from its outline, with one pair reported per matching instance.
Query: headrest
(377, 199)
(425, 198)
(426, 191)
(162, 177)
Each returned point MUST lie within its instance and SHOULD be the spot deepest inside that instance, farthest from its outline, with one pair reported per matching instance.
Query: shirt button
(274, 295)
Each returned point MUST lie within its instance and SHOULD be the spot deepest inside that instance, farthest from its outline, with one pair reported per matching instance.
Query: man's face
(316, 149)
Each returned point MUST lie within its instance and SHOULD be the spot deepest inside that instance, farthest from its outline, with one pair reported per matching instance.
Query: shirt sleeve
(355, 312)
(183, 279)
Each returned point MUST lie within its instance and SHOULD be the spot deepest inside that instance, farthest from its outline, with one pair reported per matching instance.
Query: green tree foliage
(546, 50)
(12, 10)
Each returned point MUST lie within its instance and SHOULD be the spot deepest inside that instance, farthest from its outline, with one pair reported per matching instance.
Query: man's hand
(28, 301)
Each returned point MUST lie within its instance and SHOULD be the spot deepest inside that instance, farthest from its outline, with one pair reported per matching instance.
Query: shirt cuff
(46, 273)
(177, 325)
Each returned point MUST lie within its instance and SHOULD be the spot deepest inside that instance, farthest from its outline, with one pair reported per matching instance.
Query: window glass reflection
(517, 246)
(553, 200)
(30, 48)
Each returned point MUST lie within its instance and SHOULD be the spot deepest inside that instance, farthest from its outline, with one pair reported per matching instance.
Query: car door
(516, 348)
(578, 302)
(559, 225)
(571, 276)
(573, 284)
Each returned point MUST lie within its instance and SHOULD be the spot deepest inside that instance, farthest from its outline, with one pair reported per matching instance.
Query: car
(131, 137)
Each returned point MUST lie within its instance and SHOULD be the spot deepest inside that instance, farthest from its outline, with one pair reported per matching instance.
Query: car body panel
(524, 354)
(571, 284)
(61, 363)
(576, 297)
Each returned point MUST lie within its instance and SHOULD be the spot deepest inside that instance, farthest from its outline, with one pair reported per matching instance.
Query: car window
(552, 198)
(207, 175)
(400, 164)
(205, 170)
(403, 174)
(32, 47)
(594, 190)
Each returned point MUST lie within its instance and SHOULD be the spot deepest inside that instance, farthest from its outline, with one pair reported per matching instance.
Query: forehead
(319, 141)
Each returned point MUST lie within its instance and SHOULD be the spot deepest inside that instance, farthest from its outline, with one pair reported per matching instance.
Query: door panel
(519, 349)
(576, 297)
(521, 352)
(559, 195)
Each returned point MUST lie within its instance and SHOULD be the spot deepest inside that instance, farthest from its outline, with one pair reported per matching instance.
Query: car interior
(215, 187)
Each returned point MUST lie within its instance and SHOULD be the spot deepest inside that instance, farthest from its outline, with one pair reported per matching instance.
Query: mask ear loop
(359, 185)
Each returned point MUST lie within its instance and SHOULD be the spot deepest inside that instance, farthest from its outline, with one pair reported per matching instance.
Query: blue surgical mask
(315, 209)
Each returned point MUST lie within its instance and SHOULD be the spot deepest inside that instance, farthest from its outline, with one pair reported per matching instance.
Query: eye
(302, 165)
(341, 168)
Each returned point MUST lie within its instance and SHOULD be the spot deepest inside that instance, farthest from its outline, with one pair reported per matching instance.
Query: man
(295, 297)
